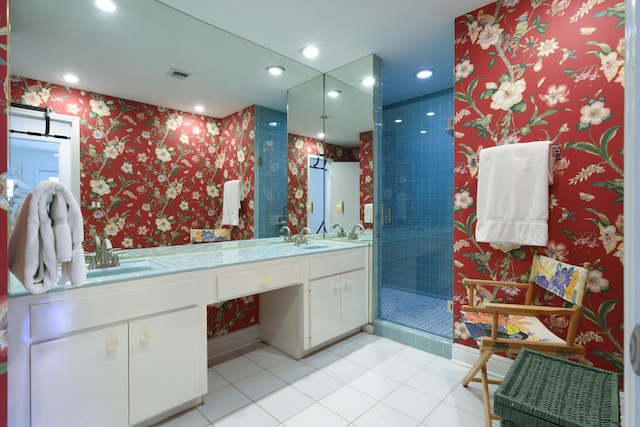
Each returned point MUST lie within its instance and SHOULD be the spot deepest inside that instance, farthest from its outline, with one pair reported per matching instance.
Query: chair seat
(525, 328)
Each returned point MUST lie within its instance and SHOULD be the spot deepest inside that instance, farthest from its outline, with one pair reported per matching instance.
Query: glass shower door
(414, 189)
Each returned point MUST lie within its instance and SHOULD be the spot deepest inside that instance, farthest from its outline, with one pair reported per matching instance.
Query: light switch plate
(634, 349)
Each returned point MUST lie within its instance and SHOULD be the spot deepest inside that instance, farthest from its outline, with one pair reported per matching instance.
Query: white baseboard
(497, 366)
(229, 342)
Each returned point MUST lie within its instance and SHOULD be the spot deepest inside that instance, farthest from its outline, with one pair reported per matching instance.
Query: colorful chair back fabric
(205, 235)
(564, 280)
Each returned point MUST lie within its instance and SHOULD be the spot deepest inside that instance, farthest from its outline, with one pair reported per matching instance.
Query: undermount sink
(314, 245)
(123, 268)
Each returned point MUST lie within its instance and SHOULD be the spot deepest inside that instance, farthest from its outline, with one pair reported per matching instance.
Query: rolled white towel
(58, 211)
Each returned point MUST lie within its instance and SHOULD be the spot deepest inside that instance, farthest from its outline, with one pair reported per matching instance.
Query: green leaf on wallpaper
(606, 137)
(461, 96)
(602, 219)
(487, 93)
(582, 146)
(582, 126)
(606, 308)
(518, 253)
(604, 47)
(615, 185)
(520, 107)
(471, 88)
(542, 27)
(3, 368)
(492, 61)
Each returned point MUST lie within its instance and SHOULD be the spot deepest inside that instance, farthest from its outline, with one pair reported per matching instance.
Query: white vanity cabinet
(338, 295)
(121, 355)
(81, 379)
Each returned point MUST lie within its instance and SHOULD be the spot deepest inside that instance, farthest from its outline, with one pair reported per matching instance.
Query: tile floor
(363, 381)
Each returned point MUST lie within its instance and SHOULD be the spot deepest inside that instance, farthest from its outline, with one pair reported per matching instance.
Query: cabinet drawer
(257, 279)
(335, 264)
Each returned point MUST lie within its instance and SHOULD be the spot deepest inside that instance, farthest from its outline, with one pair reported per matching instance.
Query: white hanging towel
(368, 213)
(232, 195)
(48, 230)
(513, 194)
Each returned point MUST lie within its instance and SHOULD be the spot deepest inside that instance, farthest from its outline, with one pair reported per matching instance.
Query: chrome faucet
(104, 256)
(286, 232)
(301, 239)
(341, 233)
(354, 232)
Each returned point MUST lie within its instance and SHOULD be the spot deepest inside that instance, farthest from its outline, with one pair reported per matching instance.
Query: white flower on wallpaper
(99, 108)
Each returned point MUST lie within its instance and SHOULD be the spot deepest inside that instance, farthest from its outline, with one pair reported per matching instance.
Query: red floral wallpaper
(366, 173)
(4, 207)
(155, 173)
(547, 70)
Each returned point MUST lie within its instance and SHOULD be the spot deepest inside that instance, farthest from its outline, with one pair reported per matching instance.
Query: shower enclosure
(414, 190)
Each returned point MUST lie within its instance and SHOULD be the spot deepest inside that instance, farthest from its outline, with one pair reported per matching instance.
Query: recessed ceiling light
(70, 78)
(321, 135)
(273, 124)
(398, 120)
(368, 81)
(106, 5)
(199, 108)
(275, 70)
(431, 113)
(423, 131)
(333, 93)
(424, 74)
(310, 52)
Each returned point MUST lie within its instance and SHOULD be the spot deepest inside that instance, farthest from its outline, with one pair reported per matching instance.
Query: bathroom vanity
(128, 347)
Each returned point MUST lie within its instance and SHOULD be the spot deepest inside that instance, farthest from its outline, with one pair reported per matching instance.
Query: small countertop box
(541, 390)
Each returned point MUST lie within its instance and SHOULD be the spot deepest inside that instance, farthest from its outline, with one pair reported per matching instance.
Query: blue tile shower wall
(270, 160)
(417, 185)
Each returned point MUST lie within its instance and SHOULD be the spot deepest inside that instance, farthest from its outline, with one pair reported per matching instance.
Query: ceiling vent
(178, 74)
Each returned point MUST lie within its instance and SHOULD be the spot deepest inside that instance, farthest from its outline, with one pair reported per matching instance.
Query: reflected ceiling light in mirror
(333, 93)
(273, 124)
(424, 74)
(321, 135)
(398, 120)
(199, 109)
(368, 81)
(70, 78)
(309, 52)
(106, 5)
(423, 131)
(431, 113)
(275, 70)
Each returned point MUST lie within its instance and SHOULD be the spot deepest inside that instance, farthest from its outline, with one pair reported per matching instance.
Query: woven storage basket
(541, 390)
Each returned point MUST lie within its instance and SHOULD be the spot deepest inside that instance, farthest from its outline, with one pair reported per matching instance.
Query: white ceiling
(128, 53)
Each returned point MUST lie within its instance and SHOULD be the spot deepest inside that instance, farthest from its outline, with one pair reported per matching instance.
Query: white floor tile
(450, 416)
(317, 385)
(363, 338)
(447, 368)
(415, 357)
(396, 369)
(237, 369)
(411, 402)
(291, 370)
(386, 346)
(432, 384)
(344, 348)
(222, 402)
(251, 415)
(375, 384)
(192, 418)
(468, 398)
(259, 385)
(267, 357)
(367, 356)
(382, 415)
(316, 416)
(285, 403)
(321, 359)
(348, 402)
(344, 370)
(215, 381)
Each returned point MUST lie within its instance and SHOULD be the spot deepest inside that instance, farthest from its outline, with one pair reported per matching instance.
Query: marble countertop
(150, 262)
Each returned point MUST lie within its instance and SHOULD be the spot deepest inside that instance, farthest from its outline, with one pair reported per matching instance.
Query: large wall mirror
(151, 38)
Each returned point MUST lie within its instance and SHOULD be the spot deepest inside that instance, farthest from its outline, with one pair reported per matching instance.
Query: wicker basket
(541, 390)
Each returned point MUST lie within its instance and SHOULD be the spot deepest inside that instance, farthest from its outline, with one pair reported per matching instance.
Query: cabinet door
(354, 300)
(324, 309)
(163, 358)
(81, 380)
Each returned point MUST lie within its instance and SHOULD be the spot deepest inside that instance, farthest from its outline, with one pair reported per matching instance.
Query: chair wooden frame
(494, 344)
